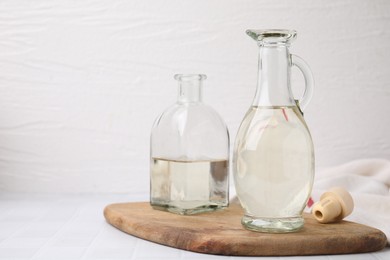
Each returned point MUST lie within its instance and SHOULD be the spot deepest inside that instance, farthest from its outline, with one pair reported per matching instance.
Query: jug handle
(309, 81)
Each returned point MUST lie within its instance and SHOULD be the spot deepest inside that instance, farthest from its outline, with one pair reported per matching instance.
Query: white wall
(82, 81)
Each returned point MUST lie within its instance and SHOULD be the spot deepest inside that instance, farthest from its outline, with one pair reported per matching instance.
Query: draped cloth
(368, 181)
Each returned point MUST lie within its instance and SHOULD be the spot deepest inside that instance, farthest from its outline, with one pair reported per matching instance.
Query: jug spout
(272, 36)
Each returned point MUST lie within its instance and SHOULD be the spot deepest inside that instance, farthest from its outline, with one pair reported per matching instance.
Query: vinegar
(274, 167)
(189, 187)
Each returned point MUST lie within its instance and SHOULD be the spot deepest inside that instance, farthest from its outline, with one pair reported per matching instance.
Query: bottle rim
(189, 77)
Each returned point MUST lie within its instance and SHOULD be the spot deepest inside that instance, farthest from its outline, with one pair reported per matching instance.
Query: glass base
(188, 211)
(272, 225)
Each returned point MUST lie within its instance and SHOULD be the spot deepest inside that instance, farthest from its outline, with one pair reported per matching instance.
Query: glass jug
(273, 160)
(189, 161)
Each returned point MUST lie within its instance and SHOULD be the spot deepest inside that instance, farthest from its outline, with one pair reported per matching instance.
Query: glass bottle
(273, 160)
(189, 157)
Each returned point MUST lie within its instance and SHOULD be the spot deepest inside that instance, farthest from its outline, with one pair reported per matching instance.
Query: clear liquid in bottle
(189, 187)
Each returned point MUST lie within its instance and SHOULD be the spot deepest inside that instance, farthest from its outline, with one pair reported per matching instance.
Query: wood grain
(221, 233)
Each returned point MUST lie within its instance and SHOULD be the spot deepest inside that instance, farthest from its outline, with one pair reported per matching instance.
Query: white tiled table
(53, 226)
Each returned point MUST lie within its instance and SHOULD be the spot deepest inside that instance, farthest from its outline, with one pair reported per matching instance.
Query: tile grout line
(56, 234)
(92, 243)
(22, 227)
(133, 255)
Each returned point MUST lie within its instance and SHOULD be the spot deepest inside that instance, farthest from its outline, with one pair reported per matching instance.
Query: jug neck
(273, 82)
(190, 87)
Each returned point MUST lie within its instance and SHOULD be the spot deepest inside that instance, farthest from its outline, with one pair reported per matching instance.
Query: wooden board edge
(377, 241)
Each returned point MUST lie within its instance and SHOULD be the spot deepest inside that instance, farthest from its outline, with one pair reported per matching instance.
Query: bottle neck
(273, 82)
(190, 88)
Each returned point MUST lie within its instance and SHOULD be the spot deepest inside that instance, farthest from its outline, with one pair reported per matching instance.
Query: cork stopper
(334, 205)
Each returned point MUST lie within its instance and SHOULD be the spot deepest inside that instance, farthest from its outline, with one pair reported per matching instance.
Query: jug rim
(272, 36)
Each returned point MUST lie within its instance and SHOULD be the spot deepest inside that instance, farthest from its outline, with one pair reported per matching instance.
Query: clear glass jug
(273, 160)
(189, 156)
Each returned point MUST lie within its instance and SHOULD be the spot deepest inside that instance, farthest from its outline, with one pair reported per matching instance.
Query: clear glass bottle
(189, 157)
(273, 160)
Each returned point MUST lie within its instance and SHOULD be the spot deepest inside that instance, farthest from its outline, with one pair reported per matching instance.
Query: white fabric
(368, 181)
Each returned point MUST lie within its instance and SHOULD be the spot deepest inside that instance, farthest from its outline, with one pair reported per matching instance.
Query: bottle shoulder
(190, 113)
(190, 131)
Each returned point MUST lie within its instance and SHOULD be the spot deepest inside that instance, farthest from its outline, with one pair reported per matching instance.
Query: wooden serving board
(221, 233)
